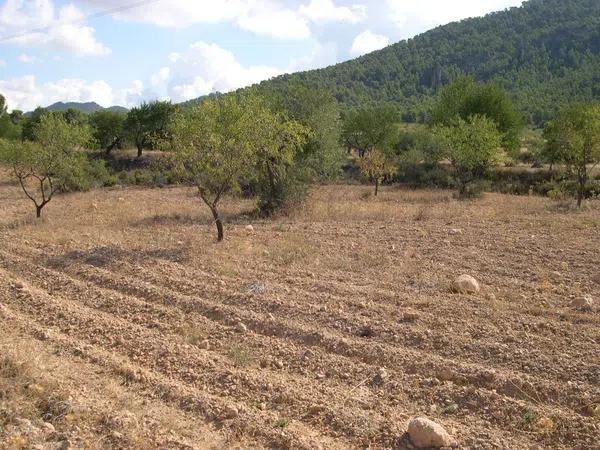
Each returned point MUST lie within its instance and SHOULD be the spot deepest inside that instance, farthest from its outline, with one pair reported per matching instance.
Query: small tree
(465, 98)
(45, 166)
(472, 146)
(213, 145)
(366, 128)
(279, 141)
(107, 129)
(148, 124)
(376, 165)
(574, 139)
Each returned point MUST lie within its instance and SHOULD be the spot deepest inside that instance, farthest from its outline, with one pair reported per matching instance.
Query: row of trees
(142, 127)
(278, 142)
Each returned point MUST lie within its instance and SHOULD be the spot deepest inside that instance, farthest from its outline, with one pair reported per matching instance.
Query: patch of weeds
(282, 423)
(241, 357)
(191, 333)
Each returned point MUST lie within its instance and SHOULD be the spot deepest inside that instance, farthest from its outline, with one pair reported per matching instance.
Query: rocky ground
(331, 329)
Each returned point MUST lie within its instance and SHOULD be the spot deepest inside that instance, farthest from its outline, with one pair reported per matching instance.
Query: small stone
(117, 436)
(466, 284)
(241, 327)
(18, 285)
(278, 364)
(249, 228)
(585, 303)
(47, 427)
(381, 376)
(205, 344)
(231, 412)
(455, 231)
(425, 433)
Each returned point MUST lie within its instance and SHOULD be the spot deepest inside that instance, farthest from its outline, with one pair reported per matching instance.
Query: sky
(123, 52)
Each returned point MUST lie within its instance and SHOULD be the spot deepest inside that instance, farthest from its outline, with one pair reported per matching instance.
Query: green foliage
(574, 140)
(148, 124)
(214, 143)
(545, 54)
(31, 122)
(472, 146)
(377, 165)
(465, 98)
(366, 128)
(107, 129)
(51, 163)
(321, 156)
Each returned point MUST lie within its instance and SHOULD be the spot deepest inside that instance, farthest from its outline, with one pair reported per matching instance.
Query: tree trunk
(581, 190)
(38, 211)
(139, 148)
(376, 186)
(218, 223)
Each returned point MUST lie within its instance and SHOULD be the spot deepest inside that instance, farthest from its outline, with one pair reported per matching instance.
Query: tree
(574, 139)
(148, 124)
(213, 145)
(74, 116)
(279, 141)
(107, 129)
(43, 167)
(472, 146)
(465, 98)
(32, 122)
(377, 165)
(366, 128)
(321, 155)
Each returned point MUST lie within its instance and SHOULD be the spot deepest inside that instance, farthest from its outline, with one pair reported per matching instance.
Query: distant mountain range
(87, 107)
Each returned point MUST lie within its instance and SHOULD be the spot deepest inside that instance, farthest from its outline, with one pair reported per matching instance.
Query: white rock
(249, 228)
(425, 433)
(585, 303)
(466, 284)
(241, 327)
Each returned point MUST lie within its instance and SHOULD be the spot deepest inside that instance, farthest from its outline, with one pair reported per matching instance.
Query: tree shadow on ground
(189, 219)
(106, 256)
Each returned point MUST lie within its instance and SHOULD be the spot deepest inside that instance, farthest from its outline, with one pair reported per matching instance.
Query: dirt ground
(329, 329)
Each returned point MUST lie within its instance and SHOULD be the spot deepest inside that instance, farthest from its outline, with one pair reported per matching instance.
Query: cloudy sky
(126, 51)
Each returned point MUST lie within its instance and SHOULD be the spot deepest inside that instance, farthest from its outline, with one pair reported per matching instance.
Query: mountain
(88, 107)
(545, 53)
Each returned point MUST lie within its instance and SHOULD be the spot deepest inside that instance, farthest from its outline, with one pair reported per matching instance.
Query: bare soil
(328, 329)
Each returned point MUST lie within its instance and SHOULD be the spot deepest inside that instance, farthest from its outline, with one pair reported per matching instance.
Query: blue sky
(126, 51)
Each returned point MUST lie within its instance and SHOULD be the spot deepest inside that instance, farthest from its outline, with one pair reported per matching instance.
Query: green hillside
(544, 53)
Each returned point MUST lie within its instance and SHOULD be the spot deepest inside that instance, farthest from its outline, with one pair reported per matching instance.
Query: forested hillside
(544, 53)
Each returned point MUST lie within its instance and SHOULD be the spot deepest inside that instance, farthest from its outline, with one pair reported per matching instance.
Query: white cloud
(367, 42)
(60, 30)
(206, 68)
(26, 94)
(435, 12)
(27, 59)
(279, 19)
(275, 22)
(322, 11)
(162, 75)
(322, 55)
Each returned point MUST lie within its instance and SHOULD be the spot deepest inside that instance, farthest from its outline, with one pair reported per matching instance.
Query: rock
(249, 228)
(205, 344)
(425, 433)
(231, 412)
(466, 284)
(278, 364)
(47, 427)
(455, 231)
(585, 303)
(381, 376)
(241, 327)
